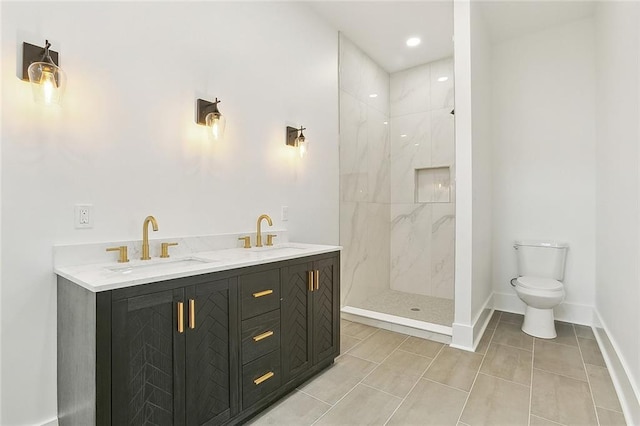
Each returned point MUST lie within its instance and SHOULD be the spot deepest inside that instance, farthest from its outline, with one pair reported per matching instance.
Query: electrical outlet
(284, 216)
(83, 216)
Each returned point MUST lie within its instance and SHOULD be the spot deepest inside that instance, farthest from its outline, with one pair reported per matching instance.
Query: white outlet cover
(83, 216)
(285, 214)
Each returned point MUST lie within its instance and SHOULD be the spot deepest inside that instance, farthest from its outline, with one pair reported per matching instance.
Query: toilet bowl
(539, 284)
(540, 295)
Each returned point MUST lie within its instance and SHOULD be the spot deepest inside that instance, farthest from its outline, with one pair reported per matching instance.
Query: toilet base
(539, 323)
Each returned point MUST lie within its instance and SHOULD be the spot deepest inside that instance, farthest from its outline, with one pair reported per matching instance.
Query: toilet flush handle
(512, 281)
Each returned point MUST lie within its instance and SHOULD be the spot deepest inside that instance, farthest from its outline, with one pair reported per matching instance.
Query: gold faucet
(145, 235)
(258, 234)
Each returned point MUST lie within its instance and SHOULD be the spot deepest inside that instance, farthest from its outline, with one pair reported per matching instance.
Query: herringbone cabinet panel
(295, 308)
(325, 339)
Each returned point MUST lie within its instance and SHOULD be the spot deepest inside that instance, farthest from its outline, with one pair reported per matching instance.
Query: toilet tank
(544, 259)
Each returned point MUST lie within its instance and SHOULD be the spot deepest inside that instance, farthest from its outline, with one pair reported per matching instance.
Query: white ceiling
(381, 29)
(510, 19)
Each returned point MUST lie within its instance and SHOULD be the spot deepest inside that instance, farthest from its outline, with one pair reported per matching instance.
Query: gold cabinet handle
(317, 279)
(262, 293)
(180, 317)
(192, 314)
(122, 251)
(263, 378)
(310, 274)
(262, 336)
(164, 249)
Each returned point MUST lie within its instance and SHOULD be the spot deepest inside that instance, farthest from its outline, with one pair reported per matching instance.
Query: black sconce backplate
(292, 134)
(32, 53)
(202, 109)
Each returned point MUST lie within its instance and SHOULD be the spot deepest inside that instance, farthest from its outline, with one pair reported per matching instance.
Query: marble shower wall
(364, 175)
(421, 135)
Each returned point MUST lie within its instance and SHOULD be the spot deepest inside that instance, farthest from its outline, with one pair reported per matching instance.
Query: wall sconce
(40, 67)
(207, 113)
(297, 140)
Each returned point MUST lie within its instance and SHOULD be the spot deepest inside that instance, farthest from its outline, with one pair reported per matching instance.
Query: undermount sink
(276, 248)
(160, 265)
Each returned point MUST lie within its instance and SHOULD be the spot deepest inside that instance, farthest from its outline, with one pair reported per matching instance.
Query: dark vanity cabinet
(173, 354)
(203, 350)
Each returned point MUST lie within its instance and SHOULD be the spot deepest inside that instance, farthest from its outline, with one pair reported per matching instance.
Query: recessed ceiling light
(403, 136)
(413, 41)
(441, 79)
(385, 122)
(373, 95)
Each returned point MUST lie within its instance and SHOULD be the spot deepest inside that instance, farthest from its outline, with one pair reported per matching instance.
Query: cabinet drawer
(260, 335)
(260, 292)
(260, 378)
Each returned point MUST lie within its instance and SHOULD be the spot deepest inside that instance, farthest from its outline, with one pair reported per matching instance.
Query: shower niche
(433, 185)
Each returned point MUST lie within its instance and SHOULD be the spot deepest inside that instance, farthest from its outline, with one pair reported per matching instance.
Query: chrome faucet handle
(247, 241)
(270, 238)
(164, 248)
(122, 251)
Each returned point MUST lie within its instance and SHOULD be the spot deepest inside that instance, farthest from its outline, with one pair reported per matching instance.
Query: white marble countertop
(98, 277)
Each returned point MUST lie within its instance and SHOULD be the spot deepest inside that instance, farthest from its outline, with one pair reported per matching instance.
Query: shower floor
(435, 310)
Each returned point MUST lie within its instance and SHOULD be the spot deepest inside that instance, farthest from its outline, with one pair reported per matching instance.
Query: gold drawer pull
(262, 336)
(261, 379)
(180, 317)
(262, 293)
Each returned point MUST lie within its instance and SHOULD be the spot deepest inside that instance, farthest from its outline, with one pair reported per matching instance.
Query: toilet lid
(539, 283)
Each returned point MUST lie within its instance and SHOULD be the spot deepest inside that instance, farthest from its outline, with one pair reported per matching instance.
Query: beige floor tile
(391, 381)
(494, 320)
(423, 347)
(562, 399)
(296, 409)
(584, 331)
(560, 359)
(565, 334)
(591, 352)
(511, 335)
(512, 318)
(398, 373)
(454, 367)
(494, 401)
(355, 329)
(508, 363)
(604, 394)
(484, 342)
(362, 406)
(347, 342)
(378, 346)
(610, 418)
(335, 382)
(539, 421)
(430, 403)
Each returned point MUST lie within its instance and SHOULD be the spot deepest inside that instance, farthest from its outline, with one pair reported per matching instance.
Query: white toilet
(539, 286)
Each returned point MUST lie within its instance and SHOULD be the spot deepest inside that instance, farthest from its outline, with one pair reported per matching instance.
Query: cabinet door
(212, 352)
(148, 360)
(295, 323)
(326, 313)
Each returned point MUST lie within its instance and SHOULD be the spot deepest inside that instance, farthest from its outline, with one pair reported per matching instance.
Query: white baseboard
(467, 337)
(569, 312)
(425, 330)
(628, 391)
(53, 422)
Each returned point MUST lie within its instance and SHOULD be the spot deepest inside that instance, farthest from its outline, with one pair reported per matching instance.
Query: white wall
(481, 161)
(543, 127)
(125, 141)
(617, 184)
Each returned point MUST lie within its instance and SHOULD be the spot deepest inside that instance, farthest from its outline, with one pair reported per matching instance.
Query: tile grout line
(314, 397)
(415, 384)
(533, 360)
(479, 368)
(586, 373)
(361, 380)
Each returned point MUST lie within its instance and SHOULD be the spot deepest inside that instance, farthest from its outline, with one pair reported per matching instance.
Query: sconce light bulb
(48, 84)
(216, 122)
(301, 143)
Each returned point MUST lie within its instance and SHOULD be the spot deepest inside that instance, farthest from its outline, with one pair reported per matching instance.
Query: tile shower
(397, 210)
